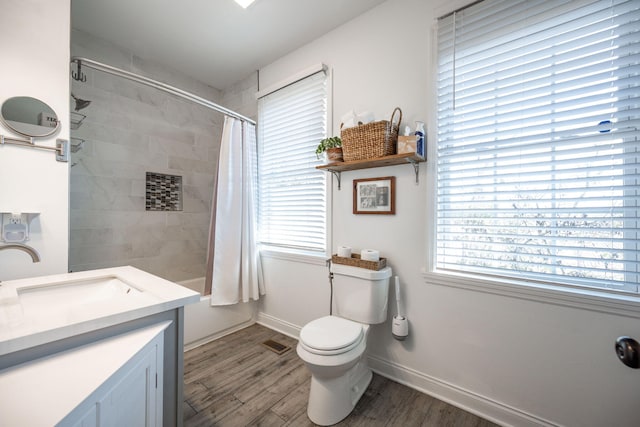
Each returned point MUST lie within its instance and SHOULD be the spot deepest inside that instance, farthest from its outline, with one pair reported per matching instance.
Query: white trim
(459, 397)
(329, 176)
(581, 298)
(431, 150)
(467, 400)
(450, 6)
(286, 328)
(217, 335)
(316, 68)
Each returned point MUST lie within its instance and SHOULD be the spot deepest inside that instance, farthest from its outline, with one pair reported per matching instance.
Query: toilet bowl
(333, 350)
(333, 347)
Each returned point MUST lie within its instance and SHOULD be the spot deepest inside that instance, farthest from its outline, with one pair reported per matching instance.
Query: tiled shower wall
(131, 129)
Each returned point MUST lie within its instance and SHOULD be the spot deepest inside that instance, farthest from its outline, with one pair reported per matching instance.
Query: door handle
(627, 350)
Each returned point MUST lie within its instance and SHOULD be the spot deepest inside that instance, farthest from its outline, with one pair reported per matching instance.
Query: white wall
(241, 97)
(34, 37)
(512, 359)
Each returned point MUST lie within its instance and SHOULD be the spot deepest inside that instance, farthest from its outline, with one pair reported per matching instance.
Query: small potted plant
(332, 147)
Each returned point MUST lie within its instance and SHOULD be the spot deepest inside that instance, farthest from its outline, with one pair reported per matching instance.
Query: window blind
(292, 192)
(538, 141)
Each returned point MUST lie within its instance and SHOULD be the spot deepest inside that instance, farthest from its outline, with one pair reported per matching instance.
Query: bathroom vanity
(94, 347)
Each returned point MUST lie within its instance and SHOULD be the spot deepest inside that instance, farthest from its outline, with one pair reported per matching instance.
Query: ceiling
(214, 41)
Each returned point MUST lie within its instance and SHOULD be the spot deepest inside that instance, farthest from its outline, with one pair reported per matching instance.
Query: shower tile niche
(164, 192)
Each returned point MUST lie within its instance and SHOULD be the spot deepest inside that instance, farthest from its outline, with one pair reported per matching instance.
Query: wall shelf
(395, 159)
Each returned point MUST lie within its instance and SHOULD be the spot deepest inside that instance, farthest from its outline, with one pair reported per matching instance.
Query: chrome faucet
(28, 249)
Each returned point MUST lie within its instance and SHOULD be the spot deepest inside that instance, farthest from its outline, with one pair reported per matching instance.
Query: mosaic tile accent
(164, 192)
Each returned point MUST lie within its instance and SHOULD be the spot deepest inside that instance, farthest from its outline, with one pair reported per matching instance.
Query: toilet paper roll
(344, 251)
(370, 255)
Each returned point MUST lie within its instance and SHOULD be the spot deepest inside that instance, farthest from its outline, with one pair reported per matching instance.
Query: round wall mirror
(29, 116)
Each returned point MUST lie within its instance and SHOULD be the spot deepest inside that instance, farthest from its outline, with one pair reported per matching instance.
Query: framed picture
(374, 196)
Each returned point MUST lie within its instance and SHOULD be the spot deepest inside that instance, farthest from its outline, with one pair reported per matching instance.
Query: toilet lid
(330, 333)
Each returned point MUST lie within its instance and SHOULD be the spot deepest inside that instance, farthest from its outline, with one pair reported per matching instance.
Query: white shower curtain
(234, 272)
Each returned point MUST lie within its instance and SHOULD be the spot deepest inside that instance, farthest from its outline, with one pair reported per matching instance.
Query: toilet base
(332, 399)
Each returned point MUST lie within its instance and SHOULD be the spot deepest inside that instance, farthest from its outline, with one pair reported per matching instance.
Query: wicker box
(371, 140)
(355, 261)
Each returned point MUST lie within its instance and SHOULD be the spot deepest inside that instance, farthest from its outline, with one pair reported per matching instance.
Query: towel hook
(79, 76)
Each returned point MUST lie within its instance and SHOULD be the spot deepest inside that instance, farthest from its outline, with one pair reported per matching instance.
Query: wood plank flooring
(236, 381)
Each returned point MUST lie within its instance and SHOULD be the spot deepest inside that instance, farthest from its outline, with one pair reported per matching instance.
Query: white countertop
(55, 319)
(51, 387)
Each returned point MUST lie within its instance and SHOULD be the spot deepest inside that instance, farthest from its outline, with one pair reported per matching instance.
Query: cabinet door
(133, 400)
(89, 419)
(131, 397)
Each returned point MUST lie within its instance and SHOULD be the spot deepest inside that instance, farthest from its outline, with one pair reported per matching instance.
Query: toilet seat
(331, 335)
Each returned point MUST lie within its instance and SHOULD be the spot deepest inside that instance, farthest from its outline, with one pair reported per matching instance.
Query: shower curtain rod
(80, 61)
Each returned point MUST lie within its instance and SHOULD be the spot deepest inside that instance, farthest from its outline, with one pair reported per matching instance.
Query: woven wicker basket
(355, 261)
(371, 140)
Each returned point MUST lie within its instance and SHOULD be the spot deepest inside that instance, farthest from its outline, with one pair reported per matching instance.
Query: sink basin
(80, 295)
(39, 310)
(68, 301)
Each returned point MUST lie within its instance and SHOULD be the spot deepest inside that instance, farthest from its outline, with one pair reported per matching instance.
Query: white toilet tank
(360, 294)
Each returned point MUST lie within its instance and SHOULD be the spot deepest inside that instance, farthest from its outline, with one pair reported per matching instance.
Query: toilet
(333, 347)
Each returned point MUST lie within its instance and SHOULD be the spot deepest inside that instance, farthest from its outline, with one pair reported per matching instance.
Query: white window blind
(292, 192)
(538, 141)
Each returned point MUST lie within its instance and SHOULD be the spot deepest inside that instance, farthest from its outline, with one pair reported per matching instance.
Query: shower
(81, 104)
(144, 138)
(143, 125)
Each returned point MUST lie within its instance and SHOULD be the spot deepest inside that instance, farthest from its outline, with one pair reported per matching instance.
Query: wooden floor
(236, 381)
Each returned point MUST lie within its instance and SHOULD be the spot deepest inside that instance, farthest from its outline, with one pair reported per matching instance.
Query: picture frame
(374, 196)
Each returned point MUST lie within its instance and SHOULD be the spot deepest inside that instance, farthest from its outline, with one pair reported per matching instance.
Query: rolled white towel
(348, 120)
(365, 117)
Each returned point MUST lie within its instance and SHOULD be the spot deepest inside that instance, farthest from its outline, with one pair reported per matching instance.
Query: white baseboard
(276, 324)
(213, 337)
(469, 401)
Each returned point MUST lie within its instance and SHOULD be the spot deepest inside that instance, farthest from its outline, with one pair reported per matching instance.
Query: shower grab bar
(158, 85)
(61, 149)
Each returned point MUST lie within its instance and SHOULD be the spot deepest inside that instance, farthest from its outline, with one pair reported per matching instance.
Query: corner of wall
(36, 37)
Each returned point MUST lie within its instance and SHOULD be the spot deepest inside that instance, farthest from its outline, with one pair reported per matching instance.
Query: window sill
(293, 255)
(586, 299)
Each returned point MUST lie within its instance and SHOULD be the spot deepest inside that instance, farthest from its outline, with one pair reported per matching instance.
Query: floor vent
(276, 347)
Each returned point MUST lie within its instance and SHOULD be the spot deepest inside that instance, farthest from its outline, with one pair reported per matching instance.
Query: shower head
(80, 103)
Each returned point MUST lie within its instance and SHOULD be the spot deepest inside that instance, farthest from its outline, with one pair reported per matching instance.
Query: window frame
(593, 299)
(292, 253)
